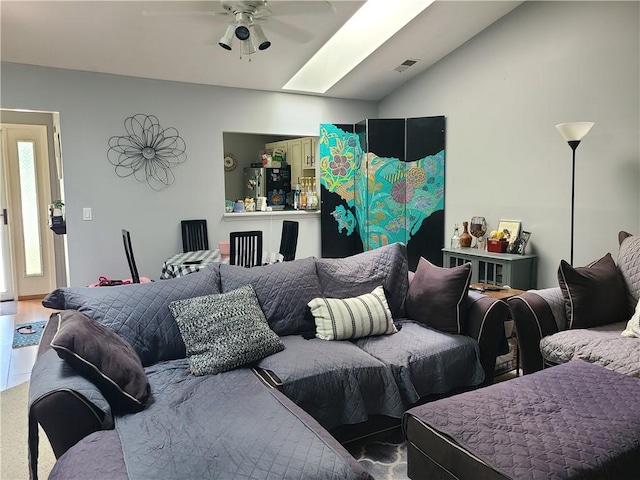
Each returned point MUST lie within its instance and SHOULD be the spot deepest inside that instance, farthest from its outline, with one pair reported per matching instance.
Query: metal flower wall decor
(147, 151)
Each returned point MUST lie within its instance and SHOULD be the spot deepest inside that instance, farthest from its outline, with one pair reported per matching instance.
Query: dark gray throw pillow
(97, 353)
(359, 274)
(593, 295)
(140, 312)
(436, 295)
(225, 331)
(283, 290)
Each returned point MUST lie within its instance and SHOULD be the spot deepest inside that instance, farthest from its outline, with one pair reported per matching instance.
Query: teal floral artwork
(391, 198)
(345, 219)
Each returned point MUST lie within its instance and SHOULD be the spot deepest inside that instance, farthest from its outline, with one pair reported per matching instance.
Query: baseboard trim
(39, 296)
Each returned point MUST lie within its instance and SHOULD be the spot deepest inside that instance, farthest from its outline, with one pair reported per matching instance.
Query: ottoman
(575, 420)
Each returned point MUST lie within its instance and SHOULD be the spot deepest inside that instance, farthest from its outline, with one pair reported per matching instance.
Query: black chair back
(128, 250)
(194, 235)
(289, 240)
(245, 248)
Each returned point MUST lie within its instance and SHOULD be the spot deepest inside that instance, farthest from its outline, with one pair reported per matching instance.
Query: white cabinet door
(294, 158)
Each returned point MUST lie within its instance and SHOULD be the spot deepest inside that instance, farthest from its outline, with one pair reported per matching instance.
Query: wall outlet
(86, 213)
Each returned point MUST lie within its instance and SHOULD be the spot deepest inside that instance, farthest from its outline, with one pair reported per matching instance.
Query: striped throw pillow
(347, 318)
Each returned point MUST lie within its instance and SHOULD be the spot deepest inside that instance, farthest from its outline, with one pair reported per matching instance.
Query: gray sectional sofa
(270, 418)
(585, 316)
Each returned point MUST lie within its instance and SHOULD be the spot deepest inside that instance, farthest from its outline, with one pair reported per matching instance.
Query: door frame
(43, 168)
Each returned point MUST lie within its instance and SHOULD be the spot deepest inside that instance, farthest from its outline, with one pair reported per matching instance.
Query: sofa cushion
(336, 382)
(361, 273)
(283, 290)
(629, 266)
(600, 345)
(349, 318)
(436, 295)
(99, 354)
(593, 295)
(425, 361)
(224, 331)
(140, 313)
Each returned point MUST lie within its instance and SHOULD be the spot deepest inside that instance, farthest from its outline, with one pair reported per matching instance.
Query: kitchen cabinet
(300, 154)
(309, 155)
(294, 159)
(280, 145)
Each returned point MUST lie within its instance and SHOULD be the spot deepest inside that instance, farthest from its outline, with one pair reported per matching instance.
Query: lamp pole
(573, 144)
(573, 133)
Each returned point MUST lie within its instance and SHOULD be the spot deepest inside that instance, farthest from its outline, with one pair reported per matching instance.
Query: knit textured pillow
(347, 318)
(224, 331)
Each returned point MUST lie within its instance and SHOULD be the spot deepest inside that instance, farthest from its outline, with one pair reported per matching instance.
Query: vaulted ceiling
(170, 42)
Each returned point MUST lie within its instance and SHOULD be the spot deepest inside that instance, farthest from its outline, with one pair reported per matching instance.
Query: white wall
(93, 108)
(503, 93)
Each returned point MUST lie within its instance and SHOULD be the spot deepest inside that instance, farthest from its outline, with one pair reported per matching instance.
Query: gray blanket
(335, 381)
(572, 421)
(604, 346)
(226, 426)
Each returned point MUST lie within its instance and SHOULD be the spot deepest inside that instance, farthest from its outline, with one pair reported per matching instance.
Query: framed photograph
(510, 228)
(520, 244)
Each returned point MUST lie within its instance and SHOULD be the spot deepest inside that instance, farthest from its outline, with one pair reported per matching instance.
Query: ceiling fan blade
(183, 13)
(301, 8)
(288, 31)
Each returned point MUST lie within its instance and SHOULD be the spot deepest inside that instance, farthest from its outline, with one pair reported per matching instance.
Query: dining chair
(246, 248)
(194, 235)
(289, 240)
(128, 250)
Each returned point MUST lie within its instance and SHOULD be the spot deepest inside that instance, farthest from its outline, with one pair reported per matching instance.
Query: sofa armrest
(536, 313)
(485, 317)
(67, 406)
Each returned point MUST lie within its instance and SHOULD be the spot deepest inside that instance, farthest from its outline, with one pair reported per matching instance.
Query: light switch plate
(86, 213)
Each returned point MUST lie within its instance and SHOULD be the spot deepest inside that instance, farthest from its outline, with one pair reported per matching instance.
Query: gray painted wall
(503, 93)
(93, 108)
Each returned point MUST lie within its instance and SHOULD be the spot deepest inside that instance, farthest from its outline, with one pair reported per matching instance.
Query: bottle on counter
(303, 195)
(296, 196)
(455, 240)
(465, 238)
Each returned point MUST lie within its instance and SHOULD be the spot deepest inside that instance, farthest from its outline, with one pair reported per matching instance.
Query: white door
(6, 270)
(28, 191)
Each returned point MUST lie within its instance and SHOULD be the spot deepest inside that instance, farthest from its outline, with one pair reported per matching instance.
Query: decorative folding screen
(382, 181)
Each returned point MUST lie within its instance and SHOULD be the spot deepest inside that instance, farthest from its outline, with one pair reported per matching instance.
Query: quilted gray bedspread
(600, 345)
(228, 426)
(572, 421)
(334, 381)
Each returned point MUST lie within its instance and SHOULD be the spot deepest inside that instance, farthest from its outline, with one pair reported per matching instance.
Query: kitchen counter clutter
(274, 213)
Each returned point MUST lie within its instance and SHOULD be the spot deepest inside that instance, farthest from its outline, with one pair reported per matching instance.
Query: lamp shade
(226, 41)
(574, 131)
(259, 38)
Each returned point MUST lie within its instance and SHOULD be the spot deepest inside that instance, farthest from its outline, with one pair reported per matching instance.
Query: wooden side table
(512, 338)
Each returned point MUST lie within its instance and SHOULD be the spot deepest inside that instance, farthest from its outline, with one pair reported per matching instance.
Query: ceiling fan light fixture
(248, 48)
(243, 21)
(259, 38)
(227, 40)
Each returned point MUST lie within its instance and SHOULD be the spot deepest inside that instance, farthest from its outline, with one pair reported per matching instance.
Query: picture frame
(520, 244)
(511, 229)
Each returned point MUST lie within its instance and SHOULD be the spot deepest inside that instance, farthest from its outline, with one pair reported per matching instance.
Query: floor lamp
(573, 133)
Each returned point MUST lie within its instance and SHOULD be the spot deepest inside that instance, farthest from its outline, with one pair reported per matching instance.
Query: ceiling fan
(248, 17)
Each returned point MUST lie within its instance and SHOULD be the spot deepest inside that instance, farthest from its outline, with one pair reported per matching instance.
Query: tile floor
(16, 363)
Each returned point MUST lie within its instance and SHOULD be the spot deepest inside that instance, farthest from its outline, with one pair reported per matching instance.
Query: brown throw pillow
(100, 355)
(593, 295)
(436, 295)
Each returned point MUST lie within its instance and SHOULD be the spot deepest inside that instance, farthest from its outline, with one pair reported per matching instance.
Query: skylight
(372, 25)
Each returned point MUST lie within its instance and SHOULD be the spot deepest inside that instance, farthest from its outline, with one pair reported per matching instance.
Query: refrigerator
(272, 183)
